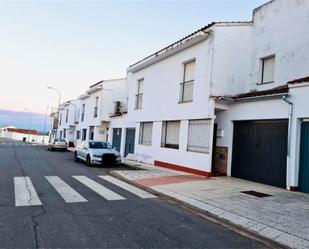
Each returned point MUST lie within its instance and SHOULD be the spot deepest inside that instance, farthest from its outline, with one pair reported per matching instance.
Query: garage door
(260, 150)
(304, 158)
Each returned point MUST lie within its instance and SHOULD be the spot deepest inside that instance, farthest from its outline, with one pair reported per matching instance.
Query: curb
(206, 215)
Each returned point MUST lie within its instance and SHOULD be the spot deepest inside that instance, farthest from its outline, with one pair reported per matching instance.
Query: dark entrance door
(130, 140)
(260, 151)
(116, 138)
(304, 158)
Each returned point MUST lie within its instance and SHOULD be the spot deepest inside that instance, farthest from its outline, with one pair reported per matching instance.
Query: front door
(117, 138)
(304, 158)
(130, 141)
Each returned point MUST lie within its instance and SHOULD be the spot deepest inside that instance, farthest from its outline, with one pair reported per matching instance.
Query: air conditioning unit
(118, 107)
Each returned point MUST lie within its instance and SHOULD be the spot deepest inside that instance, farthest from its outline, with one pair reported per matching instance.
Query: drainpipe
(290, 121)
(289, 134)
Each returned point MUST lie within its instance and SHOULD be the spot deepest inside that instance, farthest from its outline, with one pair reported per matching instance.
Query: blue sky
(73, 44)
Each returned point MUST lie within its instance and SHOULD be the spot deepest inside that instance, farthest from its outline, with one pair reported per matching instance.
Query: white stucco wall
(111, 91)
(281, 27)
(231, 60)
(276, 109)
(160, 102)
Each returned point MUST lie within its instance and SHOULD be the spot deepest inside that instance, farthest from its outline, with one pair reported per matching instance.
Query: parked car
(97, 152)
(57, 144)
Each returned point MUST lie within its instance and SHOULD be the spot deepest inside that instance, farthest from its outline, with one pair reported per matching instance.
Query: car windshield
(99, 145)
(59, 140)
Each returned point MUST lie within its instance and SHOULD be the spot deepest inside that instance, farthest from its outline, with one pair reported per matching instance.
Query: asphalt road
(133, 222)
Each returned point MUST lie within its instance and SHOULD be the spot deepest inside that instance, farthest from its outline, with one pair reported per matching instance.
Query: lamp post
(45, 124)
(59, 101)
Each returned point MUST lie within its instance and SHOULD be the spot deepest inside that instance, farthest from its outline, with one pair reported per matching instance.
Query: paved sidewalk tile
(163, 180)
(283, 216)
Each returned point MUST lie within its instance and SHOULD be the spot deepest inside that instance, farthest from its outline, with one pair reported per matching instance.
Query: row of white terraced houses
(228, 99)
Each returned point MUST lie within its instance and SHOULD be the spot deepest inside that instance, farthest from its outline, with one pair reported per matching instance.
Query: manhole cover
(255, 193)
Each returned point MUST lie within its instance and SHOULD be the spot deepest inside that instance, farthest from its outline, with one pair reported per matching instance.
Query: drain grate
(255, 193)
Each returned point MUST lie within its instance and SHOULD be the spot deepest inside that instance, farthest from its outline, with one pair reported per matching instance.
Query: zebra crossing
(26, 194)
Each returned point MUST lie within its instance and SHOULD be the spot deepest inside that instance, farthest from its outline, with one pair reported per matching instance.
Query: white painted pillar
(123, 141)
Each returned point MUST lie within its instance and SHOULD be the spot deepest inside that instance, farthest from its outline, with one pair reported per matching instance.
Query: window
(170, 134)
(186, 87)
(84, 134)
(60, 134)
(60, 118)
(199, 135)
(64, 133)
(145, 133)
(91, 132)
(95, 114)
(77, 135)
(139, 95)
(67, 116)
(268, 70)
(83, 113)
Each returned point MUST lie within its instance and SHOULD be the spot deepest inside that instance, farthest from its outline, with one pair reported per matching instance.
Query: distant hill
(21, 120)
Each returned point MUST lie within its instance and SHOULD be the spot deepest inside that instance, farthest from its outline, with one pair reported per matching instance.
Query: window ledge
(148, 145)
(264, 83)
(169, 148)
(200, 152)
(184, 102)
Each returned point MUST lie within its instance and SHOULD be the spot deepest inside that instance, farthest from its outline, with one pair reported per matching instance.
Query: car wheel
(88, 161)
(75, 157)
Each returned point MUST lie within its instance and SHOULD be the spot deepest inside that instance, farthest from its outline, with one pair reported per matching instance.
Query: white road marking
(98, 188)
(66, 192)
(134, 190)
(25, 194)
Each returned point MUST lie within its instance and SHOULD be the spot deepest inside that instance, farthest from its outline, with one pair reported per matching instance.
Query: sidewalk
(283, 216)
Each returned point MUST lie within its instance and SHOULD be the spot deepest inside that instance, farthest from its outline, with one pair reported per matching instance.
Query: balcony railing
(186, 91)
(138, 101)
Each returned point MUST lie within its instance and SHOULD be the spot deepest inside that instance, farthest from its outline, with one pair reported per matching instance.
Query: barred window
(145, 133)
(170, 134)
(199, 135)
(139, 94)
(186, 87)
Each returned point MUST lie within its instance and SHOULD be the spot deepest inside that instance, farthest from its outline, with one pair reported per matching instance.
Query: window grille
(199, 135)
(145, 133)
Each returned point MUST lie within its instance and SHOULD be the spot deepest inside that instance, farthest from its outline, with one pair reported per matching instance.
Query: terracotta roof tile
(276, 90)
(300, 80)
(23, 131)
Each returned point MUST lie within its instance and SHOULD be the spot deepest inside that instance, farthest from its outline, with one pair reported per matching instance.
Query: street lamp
(45, 124)
(58, 114)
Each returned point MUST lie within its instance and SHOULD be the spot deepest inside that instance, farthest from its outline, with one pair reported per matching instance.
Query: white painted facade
(228, 61)
(280, 28)
(5, 132)
(99, 104)
(162, 76)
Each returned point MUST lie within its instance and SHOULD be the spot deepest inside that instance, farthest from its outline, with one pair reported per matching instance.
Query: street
(64, 204)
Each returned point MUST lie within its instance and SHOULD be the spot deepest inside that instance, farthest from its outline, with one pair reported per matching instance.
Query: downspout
(289, 134)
